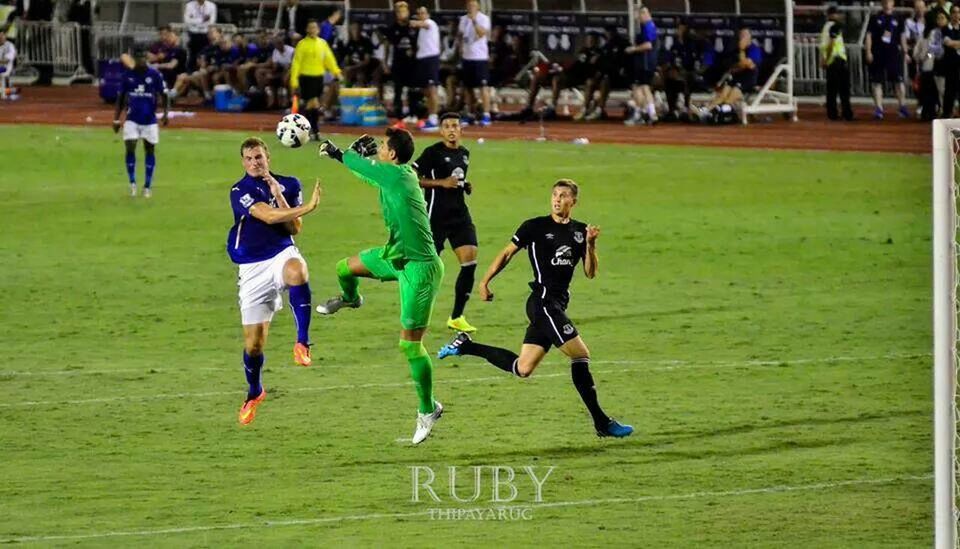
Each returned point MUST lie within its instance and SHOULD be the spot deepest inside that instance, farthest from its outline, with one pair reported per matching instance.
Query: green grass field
(762, 318)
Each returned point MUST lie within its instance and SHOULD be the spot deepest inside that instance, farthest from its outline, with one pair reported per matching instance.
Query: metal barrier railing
(47, 44)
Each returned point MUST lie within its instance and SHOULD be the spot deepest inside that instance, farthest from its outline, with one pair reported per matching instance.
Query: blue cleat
(614, 429)
(453, 348)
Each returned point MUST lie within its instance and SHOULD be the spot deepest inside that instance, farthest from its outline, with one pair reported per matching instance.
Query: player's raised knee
(295, 272)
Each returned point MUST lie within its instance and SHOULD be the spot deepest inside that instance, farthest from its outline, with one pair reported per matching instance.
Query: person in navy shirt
(142, 90)
(884, 46)
(644, 54)
(742, 76)
(267, 210)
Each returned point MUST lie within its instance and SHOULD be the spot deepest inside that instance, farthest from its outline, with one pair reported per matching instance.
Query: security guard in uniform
(833, 57)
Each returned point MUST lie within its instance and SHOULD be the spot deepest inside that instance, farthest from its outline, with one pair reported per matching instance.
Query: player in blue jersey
(143, 89)
(267, 208)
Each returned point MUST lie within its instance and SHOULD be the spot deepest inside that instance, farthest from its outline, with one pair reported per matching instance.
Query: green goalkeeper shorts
(419, 285)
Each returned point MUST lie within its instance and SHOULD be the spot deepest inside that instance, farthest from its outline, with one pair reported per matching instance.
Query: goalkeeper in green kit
(409, 256)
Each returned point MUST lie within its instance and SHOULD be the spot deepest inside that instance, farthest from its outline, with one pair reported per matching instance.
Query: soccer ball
(293, 130)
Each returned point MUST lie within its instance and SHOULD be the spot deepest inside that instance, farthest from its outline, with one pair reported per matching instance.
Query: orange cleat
(249, 409)
(301, 355)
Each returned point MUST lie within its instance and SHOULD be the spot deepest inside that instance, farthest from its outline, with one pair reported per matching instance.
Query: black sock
(583, 381)
(462, 289)
(501, 358)
(312, 116)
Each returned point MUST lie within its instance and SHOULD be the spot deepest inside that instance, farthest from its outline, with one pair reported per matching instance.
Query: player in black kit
(442, 168)
(555, 244)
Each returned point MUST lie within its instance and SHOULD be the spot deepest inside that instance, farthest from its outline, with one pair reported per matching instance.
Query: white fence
(811, 77)
(46, 44)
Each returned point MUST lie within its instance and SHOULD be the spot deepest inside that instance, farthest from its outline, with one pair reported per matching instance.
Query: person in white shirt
(198, 15)
(8, 54)
(274, 78)
(428, 64)
(474, 31)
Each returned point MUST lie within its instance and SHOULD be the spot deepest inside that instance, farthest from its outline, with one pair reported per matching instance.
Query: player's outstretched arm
(271, 216)
(499, 263)
(590, 261)
(293, 227)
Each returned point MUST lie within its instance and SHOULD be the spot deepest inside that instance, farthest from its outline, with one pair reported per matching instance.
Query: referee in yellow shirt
(312, 59)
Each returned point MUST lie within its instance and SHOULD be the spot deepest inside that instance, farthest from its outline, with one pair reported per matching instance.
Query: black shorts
(459, 233)
(475, 74)
(311, 87)
(428, 72)
(403, 74)
(643, 77)
(886, 68)
(746, 81)
(549, 325)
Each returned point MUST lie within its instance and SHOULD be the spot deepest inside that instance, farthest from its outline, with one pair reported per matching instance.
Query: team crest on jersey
(578, 236)
(567, 329)
(149, 80)
(446, 159)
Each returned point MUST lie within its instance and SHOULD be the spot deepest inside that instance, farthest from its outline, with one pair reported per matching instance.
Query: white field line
(671, 365)
(658, 362)
(393, 516)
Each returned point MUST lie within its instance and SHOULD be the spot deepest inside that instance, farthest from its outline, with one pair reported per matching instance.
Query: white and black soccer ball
(293, 130)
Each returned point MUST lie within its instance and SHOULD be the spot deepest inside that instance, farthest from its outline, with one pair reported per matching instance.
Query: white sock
(651, 110)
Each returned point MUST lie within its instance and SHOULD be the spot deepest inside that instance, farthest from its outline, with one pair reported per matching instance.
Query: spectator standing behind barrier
(428, 64)
(951, 62)
(940, 6)
(928, 54)
(833, 58)
(292, 19)
(198, 15)
(474, 29)
(312, 59)
(401, 50)
(644, 55)
(885, 45)
(8, 19)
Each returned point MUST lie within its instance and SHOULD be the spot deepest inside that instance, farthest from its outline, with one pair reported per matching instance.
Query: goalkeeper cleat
(614, 429)
(425, 423)
(249, 409)
(460, 324)
(301, 355)
(336, 303)
(453, 348)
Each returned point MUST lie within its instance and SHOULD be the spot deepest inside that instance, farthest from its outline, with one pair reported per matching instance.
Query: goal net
(946, 168)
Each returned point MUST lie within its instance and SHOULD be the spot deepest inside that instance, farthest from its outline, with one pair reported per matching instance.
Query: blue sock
(151, 162)
(252, 366)
(132, 167)
(300, 303)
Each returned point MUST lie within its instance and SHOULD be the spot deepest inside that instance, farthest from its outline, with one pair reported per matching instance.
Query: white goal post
(946, 145)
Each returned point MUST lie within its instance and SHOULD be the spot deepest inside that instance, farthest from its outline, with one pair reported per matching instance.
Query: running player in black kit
(442, 168)
(555, 244)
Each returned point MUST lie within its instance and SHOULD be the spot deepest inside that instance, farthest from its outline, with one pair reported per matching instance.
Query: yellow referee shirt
(312, 57)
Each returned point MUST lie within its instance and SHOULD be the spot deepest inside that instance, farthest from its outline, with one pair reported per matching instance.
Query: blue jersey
(647, 60)
(251, 240)
(142, 90)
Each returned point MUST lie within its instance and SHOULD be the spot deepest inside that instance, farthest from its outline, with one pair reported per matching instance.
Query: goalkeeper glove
(365, 146)
(327, 148)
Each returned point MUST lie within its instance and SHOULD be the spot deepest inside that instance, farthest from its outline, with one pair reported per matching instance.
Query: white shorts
(260, 285)
(149, 133)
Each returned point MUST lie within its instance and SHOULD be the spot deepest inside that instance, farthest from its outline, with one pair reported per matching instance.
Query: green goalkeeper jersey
(403, 206)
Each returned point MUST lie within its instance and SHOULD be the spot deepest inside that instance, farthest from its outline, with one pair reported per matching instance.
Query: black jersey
(554, 250)
(438, 162)
(404, 41)
(355, 51)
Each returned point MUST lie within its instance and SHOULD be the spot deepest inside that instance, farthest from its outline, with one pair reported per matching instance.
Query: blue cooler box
(352, 100)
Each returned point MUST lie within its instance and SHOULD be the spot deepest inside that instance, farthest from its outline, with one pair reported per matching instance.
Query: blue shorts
(428, 72)
(886, 68)
(475, 74)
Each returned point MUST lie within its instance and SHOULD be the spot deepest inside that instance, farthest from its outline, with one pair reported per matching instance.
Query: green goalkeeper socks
(349, 283)
(421, 370)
